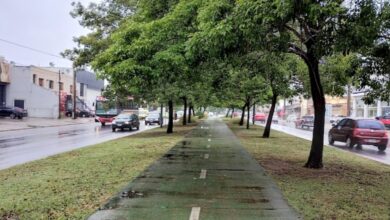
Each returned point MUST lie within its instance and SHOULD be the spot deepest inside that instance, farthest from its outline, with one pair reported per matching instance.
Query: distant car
(385, 120)
(80, 113)
(337, 119)
(306, 122)
(128, 121)
(275, 119)
(358, 132)
(261, 117)
(153, 118)
(12, 112)
(291, 118)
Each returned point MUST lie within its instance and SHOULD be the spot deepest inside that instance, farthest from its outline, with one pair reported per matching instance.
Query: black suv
(128, 121)
(153, 118)
(12, 112)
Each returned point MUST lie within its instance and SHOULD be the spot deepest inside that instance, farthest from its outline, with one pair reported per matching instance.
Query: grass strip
(73, 185)
(348, 187)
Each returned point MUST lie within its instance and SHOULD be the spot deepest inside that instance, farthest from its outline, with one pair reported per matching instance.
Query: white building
(359, 109)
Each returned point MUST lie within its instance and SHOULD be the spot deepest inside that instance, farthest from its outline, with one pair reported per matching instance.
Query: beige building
(52, 80)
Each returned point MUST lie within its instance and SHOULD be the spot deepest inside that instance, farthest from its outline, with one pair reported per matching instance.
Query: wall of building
(39, 101)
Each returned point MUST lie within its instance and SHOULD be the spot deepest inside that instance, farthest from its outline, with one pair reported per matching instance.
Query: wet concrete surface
(18, 147)
(367, 151)
(185, 184)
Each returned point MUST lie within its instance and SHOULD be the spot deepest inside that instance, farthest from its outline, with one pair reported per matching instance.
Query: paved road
(18, 147)
(370, 152)
(208, 175)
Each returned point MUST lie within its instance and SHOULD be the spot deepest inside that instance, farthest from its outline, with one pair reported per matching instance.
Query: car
(80, 113)
(336, 119)
(12, 112)
(291, 118)
(358, 132)
(261, 117)
(385, 120)
(275, 119)
(153, 118)
(306, 122)
(125, 121)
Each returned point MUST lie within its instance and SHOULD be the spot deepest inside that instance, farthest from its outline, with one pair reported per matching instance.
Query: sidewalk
(7, 124)
(209, 175)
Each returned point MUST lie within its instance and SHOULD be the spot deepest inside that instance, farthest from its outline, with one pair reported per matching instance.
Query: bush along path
(208, 175)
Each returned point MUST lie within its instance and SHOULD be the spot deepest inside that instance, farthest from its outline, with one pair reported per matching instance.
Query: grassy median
(73, 185)
(348, 187)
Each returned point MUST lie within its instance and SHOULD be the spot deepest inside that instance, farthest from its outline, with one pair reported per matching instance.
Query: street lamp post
(59, 94)
(74, 94)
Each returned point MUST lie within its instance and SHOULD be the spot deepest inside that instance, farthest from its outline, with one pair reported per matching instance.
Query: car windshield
(123, 117)
(370, 124)
(386, 117)
(154, 115)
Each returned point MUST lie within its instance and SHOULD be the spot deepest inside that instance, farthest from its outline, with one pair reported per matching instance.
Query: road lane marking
(195, 213)
(206, 156)
(203, 174)
(209, 139)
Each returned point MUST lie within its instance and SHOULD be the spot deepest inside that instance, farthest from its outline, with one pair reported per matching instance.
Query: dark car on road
(153, 118)
(125, 121)
(12, 112)
(306, 122)
(80, 113)
(358, 132)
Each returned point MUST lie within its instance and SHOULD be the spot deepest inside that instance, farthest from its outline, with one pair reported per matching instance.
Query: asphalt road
(18, 147)
(370, 152)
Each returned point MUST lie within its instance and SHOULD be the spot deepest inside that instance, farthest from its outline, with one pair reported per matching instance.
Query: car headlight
(127, 122)
(113, 122)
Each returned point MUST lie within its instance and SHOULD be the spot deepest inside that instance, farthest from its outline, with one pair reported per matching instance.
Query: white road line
(206, 156)
(195, 213)
(203, 174)
(209, 139)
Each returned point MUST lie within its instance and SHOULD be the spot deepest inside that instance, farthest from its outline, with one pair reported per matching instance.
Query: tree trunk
(254, 113)
(232, 113)
(170, 117)
(242, 115)
(161, 115)
(227, 113)
(349, 100)
(247, 118)
(185, 111)
(189, 114)
(193, 111)
(267, 129)
(317, 144)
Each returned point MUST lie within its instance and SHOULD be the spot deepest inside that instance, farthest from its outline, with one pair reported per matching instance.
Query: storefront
(4, 80)
(2, 94)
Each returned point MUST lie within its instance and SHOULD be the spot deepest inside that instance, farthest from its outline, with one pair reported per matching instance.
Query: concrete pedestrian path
(208, 175)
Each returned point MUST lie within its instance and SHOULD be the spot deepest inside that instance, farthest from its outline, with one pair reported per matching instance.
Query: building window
(71, 89)
(34, 78)
(40, 82)
(51, 84)
(61, 86)
(81, 89)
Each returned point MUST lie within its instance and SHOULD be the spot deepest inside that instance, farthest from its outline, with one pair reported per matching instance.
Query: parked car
(80, 113)
(261, 117)
(12, 112)
(385, 120)
(358, 132)
(336, 119)
(275, 119)
(128, 121)
(153, 118)
(306, 122)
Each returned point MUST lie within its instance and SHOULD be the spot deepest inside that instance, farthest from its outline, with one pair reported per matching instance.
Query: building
(361, 110)
(4, 80)
(88, 88)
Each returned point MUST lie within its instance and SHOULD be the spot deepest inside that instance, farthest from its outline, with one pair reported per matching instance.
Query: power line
(32, 49)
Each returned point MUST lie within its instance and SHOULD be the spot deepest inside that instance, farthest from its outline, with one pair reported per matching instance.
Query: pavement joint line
(203, 174)
(195, 213)
(206, 156)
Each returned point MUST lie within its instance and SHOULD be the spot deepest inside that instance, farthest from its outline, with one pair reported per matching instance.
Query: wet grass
(348, 187)
(73, 185)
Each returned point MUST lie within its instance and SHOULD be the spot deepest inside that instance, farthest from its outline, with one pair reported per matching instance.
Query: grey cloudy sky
(40, 24)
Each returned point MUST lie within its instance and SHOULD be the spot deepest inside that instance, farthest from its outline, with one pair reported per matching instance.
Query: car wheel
(146, 123)
(130, 128)
(122, 129)
(12, 116)
(20, 117)
(103, 124)
(330, 139)
(137, 127)
(382, 147)
(83, 115)
(113, 129)
(349, 143)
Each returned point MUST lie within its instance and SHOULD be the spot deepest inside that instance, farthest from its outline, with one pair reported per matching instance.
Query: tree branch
(296, 33)
(293, 48)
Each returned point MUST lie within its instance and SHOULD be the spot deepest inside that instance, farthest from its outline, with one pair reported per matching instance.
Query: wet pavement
(21, 146)
(208, 175)
(367, 151)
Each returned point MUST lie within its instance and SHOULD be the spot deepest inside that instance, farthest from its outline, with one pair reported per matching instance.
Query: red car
(358, 132)
(260, 117)
(385, 120)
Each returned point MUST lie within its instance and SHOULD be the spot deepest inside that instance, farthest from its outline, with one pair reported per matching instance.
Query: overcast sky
(40, 24)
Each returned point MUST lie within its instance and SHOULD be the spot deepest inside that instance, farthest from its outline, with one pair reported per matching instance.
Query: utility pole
(59, 94)
(74, 94)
